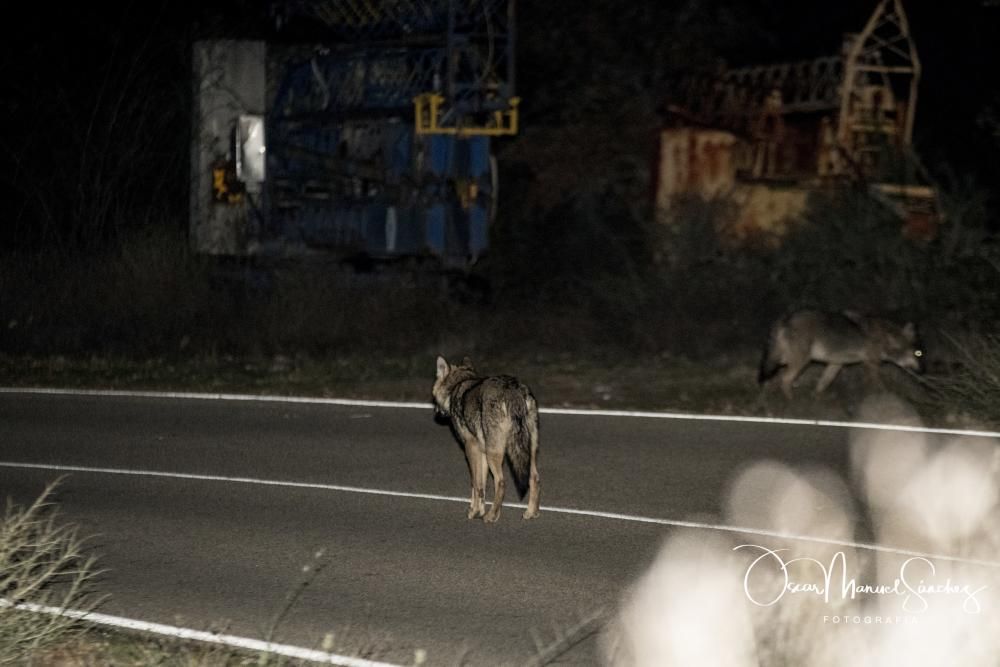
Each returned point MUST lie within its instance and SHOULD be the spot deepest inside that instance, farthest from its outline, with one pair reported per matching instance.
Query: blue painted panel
(375, 228)
(479, 156)
(457, 236)
(441, 150)
(410, 231)
(334, 181)
(434, 235)
(478, 229)
(399, 149)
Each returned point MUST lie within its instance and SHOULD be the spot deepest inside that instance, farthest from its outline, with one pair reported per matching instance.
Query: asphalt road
(399, 572)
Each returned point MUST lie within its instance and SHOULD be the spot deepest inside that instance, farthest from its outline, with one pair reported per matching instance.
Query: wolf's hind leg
(494, 457)
(532, 511)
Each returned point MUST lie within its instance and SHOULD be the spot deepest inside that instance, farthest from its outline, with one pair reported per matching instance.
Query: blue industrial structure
(373, 141)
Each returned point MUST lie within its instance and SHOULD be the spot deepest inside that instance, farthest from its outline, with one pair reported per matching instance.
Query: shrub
(42, 565)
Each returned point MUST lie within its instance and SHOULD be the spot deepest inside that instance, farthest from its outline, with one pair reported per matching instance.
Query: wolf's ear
(442, 367)
(910, 331)
(467, 362)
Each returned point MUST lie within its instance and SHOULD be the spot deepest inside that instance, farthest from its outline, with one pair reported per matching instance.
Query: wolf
(837, 339)
(493, 417)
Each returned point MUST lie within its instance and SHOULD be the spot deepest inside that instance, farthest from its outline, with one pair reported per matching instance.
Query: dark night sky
(958, 43)
(56, 62)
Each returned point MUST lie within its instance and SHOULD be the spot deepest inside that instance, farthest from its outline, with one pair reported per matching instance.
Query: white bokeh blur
(706, 602)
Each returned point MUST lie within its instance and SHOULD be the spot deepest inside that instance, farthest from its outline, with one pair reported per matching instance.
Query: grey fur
(493, 418)
(837, 340)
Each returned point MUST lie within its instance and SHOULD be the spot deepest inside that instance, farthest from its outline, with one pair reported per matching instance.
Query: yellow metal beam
(427, 116)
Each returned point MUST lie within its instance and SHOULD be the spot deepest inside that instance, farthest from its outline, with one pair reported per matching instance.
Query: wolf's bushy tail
(523, 438)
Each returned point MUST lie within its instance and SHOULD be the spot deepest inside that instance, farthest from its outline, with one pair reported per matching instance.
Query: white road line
(198, 396)
(676, 523)
(640, 414)
(188, 634)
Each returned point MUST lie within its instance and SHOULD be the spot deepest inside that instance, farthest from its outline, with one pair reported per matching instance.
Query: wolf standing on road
(836, 339)
(492, 417)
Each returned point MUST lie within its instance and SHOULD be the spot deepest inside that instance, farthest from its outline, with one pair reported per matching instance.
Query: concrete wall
(229, 80)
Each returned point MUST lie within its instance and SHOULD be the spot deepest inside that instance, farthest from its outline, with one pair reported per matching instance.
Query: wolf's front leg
(828, 376)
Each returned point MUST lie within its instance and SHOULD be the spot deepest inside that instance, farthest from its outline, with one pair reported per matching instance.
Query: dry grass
(42, 562)
(972, 386)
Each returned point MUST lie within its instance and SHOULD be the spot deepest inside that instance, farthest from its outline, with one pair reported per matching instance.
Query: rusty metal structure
(769, 134)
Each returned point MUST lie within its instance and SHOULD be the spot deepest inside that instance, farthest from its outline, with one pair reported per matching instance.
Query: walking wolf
(836, 339)
(493, 417)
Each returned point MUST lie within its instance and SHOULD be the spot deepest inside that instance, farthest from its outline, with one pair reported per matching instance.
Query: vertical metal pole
(911, 108)
(850, 73)
(511, 47)
(450, 54)
(846, 92)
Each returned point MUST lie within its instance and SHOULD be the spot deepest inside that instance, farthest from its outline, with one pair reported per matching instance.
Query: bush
(42, 564)
(587, 276)
(846, 252)
(973, 385)
(143, 296)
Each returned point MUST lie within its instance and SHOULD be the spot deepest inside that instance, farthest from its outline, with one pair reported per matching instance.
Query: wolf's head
(901, 346)
(449, 375)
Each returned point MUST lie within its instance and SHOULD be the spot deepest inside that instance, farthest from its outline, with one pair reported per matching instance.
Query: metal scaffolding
(864, 98)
